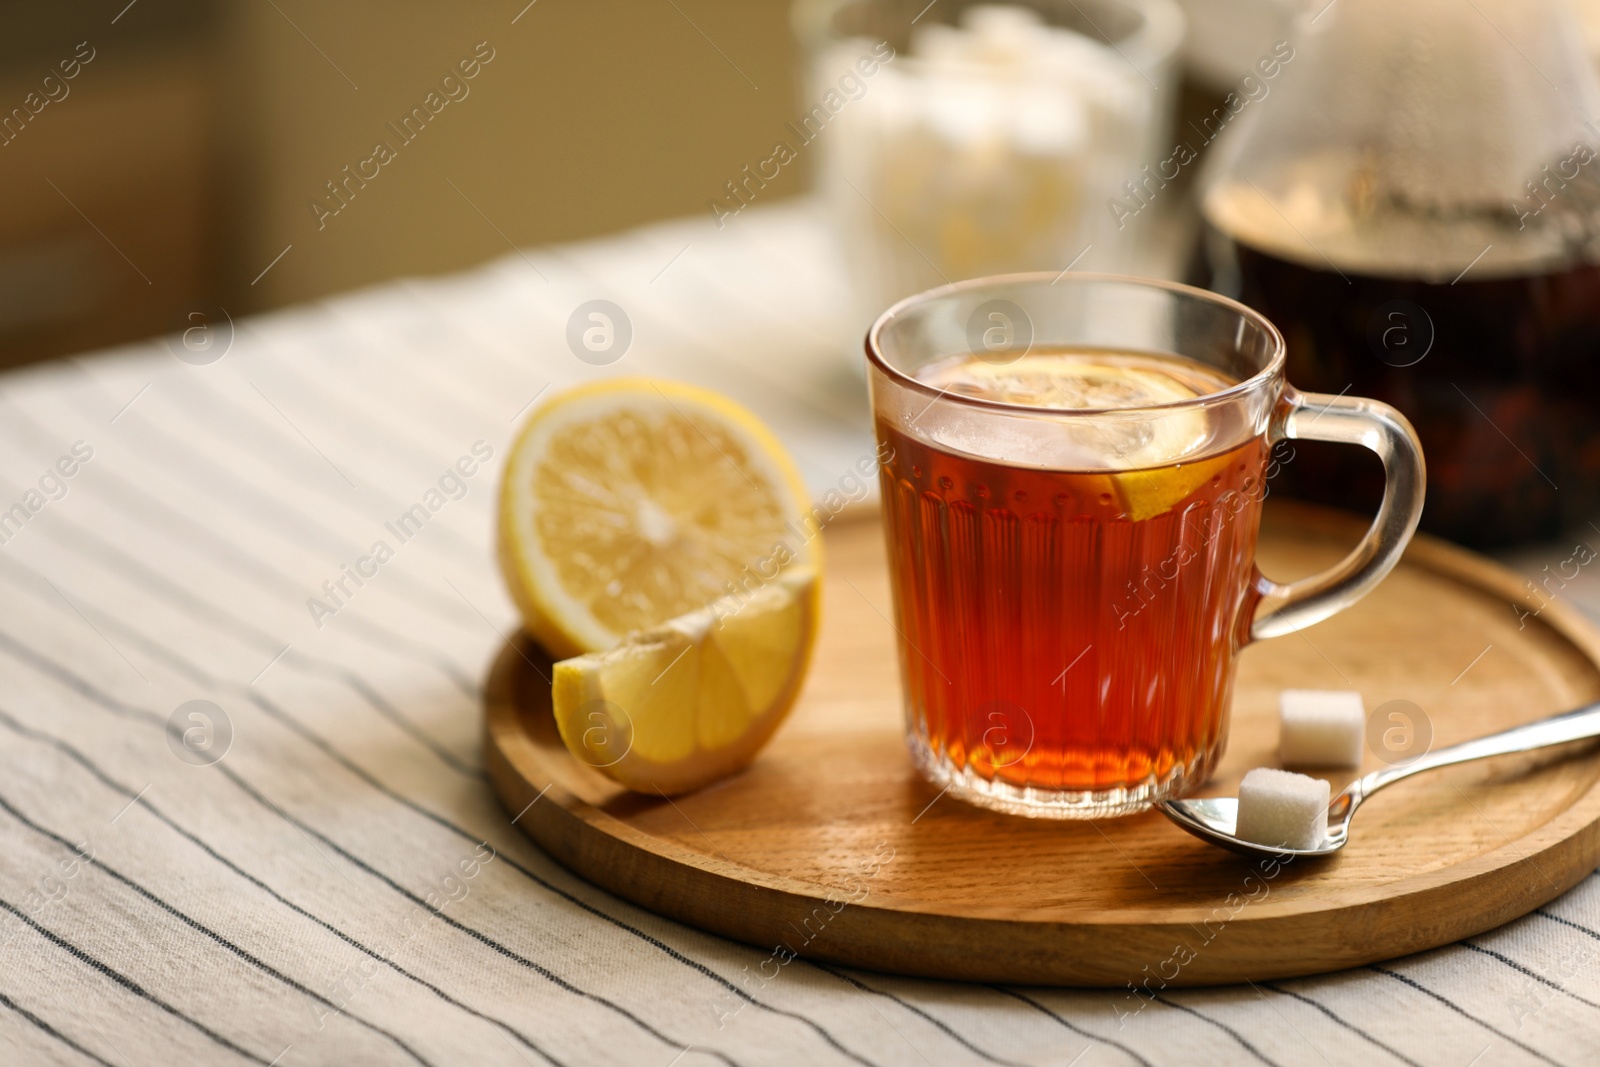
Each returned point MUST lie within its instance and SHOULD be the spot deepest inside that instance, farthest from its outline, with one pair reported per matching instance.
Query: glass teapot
(1417, 207)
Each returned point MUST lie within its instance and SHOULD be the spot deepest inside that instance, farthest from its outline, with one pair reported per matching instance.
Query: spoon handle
(1568, 726)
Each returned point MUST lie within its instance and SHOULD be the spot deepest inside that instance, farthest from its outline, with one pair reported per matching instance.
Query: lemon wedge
(677, 707)
(630, 502)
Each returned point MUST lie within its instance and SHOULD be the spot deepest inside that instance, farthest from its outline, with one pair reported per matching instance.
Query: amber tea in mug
(1071, 507)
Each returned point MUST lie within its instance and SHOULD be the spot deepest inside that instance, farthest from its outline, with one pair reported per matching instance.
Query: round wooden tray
(830, 847)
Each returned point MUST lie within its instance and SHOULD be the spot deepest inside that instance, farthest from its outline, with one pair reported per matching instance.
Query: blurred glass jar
(1417, 208)
(968, 139)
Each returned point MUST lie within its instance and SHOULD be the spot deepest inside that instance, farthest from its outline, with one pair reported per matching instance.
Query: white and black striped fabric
(311, 869)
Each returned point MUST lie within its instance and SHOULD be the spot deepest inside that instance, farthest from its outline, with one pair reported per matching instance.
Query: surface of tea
(1076, 379)
(1068, 617)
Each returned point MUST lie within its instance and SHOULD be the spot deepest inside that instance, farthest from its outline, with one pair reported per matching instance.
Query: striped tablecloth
(323, 876)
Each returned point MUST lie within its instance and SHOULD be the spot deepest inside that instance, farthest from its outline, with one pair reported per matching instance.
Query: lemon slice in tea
(1146, 459)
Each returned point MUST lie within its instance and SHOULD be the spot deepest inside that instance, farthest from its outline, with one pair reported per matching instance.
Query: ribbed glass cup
(1068, 631)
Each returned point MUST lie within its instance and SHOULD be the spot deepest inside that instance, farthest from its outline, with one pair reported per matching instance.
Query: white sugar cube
(1283, 809)
(1321, 728)
(1003, 21)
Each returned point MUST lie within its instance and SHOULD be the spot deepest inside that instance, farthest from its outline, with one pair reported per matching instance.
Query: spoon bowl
(1215, 819)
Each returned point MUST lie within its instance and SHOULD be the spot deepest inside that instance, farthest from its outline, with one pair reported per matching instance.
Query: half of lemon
(631, 502)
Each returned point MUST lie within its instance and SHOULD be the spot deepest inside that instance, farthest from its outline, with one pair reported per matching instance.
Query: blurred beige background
(183, 158)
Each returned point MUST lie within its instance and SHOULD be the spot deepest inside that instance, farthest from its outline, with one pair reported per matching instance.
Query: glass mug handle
(1373, 425)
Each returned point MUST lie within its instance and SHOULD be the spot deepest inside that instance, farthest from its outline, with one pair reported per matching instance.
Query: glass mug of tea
(1075, 468)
